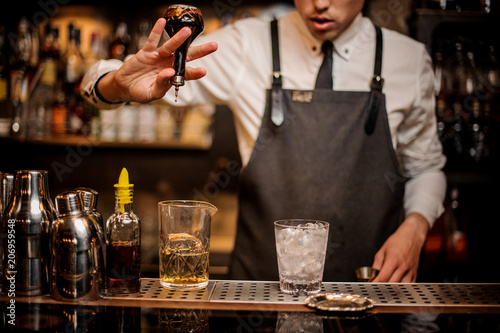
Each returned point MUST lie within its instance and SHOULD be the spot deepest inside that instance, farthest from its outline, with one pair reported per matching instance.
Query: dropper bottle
(179, 16)
(123, 242)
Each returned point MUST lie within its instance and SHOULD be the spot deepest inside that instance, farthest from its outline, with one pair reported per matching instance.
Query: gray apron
(324, 155)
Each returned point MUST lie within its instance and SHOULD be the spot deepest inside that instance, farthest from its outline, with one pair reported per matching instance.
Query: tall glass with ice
(184, 242)
(301, 249)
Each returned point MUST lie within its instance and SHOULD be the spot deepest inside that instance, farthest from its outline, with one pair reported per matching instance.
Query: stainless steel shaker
(1, 193)
(89, 197)
(77, 267)
(6, 188)
(3, 230)
(28, 217)
(89, 200)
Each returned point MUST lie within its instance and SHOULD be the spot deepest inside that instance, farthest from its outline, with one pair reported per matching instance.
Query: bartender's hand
(146, 76)
(397, 260)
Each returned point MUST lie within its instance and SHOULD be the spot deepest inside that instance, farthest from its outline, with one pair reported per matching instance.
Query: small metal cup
(365, 274)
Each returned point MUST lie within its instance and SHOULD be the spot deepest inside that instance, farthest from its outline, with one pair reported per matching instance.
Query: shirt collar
(345, 43)
(313, 44)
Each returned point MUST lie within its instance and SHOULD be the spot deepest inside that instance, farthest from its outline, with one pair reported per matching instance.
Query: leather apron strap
(278, 104)
(376, 85)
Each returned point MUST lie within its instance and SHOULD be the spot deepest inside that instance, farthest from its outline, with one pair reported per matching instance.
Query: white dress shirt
(239, 73)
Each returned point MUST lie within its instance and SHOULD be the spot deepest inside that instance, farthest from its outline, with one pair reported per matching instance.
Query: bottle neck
(123, 208)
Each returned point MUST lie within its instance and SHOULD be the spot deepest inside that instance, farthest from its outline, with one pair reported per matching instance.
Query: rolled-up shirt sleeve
(421, 151)
(88, 87)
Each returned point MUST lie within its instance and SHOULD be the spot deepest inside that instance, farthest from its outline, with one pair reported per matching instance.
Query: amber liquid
(123, 268)
(184, 263)
(184, 267)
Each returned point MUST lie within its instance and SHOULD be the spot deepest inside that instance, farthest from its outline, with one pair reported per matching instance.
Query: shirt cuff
(89, 84)
(425, 194)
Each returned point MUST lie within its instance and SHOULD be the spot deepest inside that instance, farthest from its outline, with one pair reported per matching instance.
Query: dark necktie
(324, 79)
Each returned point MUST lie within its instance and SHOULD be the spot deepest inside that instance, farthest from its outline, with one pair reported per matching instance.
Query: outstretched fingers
(173, 43)
(196, 52)
(195, 73)
(155, 35)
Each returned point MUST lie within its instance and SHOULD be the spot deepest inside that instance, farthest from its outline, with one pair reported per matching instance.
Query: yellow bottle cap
(124, 193)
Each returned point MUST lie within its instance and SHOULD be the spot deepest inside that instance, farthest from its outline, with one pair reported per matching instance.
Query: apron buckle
(376, 82)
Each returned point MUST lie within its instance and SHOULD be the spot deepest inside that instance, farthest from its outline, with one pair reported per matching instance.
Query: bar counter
(255, 306)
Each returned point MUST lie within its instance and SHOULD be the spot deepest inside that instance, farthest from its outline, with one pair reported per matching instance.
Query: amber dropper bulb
(180, 16)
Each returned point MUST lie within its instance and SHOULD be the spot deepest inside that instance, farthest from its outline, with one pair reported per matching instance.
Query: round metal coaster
(340, 302)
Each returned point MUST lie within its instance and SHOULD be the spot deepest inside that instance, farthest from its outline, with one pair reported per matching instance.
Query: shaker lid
(88, 197)
(68, 203)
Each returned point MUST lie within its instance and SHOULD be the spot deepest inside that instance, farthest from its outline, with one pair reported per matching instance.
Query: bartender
(356, 147)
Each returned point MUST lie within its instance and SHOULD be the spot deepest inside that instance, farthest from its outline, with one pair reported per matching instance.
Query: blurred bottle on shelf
(108, 125)
(42, 97)
(97, 50)
(78, 121)
(166, 123)
(442, 76)
(480, 149)
(95, 121)
(19, 64)
(119, 47)
(5, 110)
(464, 79)
(444, 4)
(50, 53)
(457, 248)
(127, 122)
(489, 6)
(146, 122)
(492, 69)
(59, 112)
(73, 58)
(141, 37)
(123, 126)
(442, 91)
(456, 135)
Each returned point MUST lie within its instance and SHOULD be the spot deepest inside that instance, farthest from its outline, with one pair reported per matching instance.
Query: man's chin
(324, 35)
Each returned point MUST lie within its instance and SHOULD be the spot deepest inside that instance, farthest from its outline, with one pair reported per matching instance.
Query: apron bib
(324, 155)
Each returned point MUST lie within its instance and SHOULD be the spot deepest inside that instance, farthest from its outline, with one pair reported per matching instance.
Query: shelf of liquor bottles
(43, 62)
(462, 39)
(464, 45)
(45, 51)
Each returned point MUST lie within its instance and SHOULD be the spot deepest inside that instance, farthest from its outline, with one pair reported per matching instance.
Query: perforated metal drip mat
(383, 294)
(151, 289)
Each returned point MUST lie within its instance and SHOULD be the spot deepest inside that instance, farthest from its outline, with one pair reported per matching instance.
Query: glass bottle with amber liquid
(123, 242)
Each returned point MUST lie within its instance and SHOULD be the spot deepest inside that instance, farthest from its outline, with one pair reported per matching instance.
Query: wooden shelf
(86, 141)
